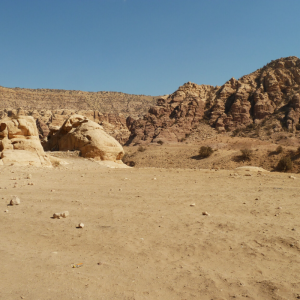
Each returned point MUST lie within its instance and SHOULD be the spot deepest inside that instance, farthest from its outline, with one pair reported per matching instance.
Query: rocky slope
(49, 99)
(267, 98)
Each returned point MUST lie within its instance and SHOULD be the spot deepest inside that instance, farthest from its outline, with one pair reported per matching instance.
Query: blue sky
(146, 47)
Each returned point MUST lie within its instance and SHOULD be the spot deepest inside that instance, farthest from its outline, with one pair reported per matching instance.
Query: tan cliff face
(50, 99)
(272, 91)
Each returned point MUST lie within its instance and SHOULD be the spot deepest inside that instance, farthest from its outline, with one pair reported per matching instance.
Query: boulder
(19, 142)
(20, 133)
(80, 133)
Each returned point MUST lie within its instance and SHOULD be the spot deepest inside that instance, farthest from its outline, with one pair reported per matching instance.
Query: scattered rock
(193, 204)
(63, 214)
(15, 200)
(80, 225)
(205, 213)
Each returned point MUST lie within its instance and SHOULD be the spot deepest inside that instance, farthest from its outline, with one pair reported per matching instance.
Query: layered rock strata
(50, 99)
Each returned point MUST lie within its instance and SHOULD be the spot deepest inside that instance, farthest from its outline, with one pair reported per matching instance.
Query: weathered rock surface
(19, 142)
(80, 133)
(20, 133)
(173, 117)
(49, 122)
(272, 91)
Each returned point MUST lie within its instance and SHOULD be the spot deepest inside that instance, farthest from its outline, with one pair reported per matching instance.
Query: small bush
(285, 164)
(279, 149)
(141, 149)
(130, 163)
(160, 142)
(246, 154)
(126, 160)
(205, 152)
(298, 127)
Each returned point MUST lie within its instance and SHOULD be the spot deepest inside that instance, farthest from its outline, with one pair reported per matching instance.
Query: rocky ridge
(53, 99)
(268, 96)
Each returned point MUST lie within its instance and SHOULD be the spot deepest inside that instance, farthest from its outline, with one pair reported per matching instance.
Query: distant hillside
(49, 99)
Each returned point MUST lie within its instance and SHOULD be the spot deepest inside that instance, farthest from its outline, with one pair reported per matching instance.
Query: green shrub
(246, 154)
(285, 164)
(205, 151)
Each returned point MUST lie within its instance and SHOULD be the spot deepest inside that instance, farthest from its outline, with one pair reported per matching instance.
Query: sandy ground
(227, 154)
(142, 238)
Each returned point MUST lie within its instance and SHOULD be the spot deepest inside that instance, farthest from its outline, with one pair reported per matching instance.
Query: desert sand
(145, 235)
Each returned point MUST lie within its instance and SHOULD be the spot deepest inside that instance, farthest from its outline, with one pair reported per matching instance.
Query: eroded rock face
(19, 141)
(19, 133)
(80, 133)
(238, 103)
(49, 122)
(173, 117)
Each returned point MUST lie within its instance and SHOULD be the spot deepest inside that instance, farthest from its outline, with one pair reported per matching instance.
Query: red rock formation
(237, 104)
(173, 117)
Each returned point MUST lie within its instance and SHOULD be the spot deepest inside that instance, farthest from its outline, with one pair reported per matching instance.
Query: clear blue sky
(141, 46)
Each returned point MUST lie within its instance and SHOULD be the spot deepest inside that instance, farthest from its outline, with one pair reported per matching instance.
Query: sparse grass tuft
(246, 154)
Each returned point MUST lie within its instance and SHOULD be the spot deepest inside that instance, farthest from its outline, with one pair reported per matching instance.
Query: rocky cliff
(269, 95)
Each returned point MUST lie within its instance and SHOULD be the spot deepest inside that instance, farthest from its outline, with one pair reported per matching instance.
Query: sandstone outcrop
(272, 91)
(19, 142)
(49, 122)
(80, 133)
